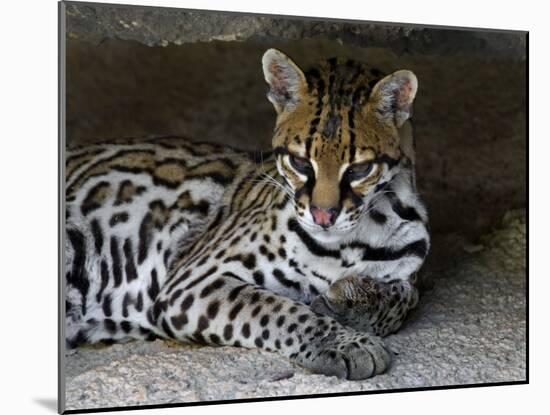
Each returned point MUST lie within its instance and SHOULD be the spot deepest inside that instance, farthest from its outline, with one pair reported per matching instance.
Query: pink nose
(324, 217)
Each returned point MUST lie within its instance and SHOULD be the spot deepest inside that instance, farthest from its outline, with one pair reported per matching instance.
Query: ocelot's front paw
(353, 301)
(346, 354)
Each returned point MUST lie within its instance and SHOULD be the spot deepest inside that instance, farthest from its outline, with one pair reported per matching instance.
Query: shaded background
(135, 72)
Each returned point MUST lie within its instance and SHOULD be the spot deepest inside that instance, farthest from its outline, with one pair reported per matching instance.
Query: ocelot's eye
(359, 171)
(301, 164)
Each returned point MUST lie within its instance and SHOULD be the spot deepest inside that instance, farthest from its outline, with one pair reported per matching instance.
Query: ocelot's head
(341, 130)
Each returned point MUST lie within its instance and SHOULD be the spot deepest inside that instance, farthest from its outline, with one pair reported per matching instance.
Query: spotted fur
(310, 250)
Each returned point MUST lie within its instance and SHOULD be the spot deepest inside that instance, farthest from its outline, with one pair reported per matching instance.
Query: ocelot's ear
(392, 97)
(287, 83)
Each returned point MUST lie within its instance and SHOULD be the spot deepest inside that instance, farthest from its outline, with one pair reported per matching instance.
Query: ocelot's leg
(368, 305)
(224, 310)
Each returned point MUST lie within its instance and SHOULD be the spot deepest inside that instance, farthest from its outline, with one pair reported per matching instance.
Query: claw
(322, 306)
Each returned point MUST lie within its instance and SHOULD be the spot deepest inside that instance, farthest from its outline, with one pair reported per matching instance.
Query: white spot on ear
(393, 96)
(286, 81)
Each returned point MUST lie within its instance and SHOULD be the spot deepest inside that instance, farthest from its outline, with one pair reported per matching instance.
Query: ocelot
(311, 250)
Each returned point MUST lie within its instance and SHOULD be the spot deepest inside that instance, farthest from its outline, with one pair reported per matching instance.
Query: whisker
(268, 179)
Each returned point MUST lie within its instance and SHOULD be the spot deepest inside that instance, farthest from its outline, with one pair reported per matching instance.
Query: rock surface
(469, 328)
(155, 26)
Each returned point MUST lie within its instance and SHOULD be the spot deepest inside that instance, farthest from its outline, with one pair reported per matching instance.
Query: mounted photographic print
(262, 207)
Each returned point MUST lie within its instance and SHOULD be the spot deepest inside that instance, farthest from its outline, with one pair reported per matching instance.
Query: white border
(28, 225)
